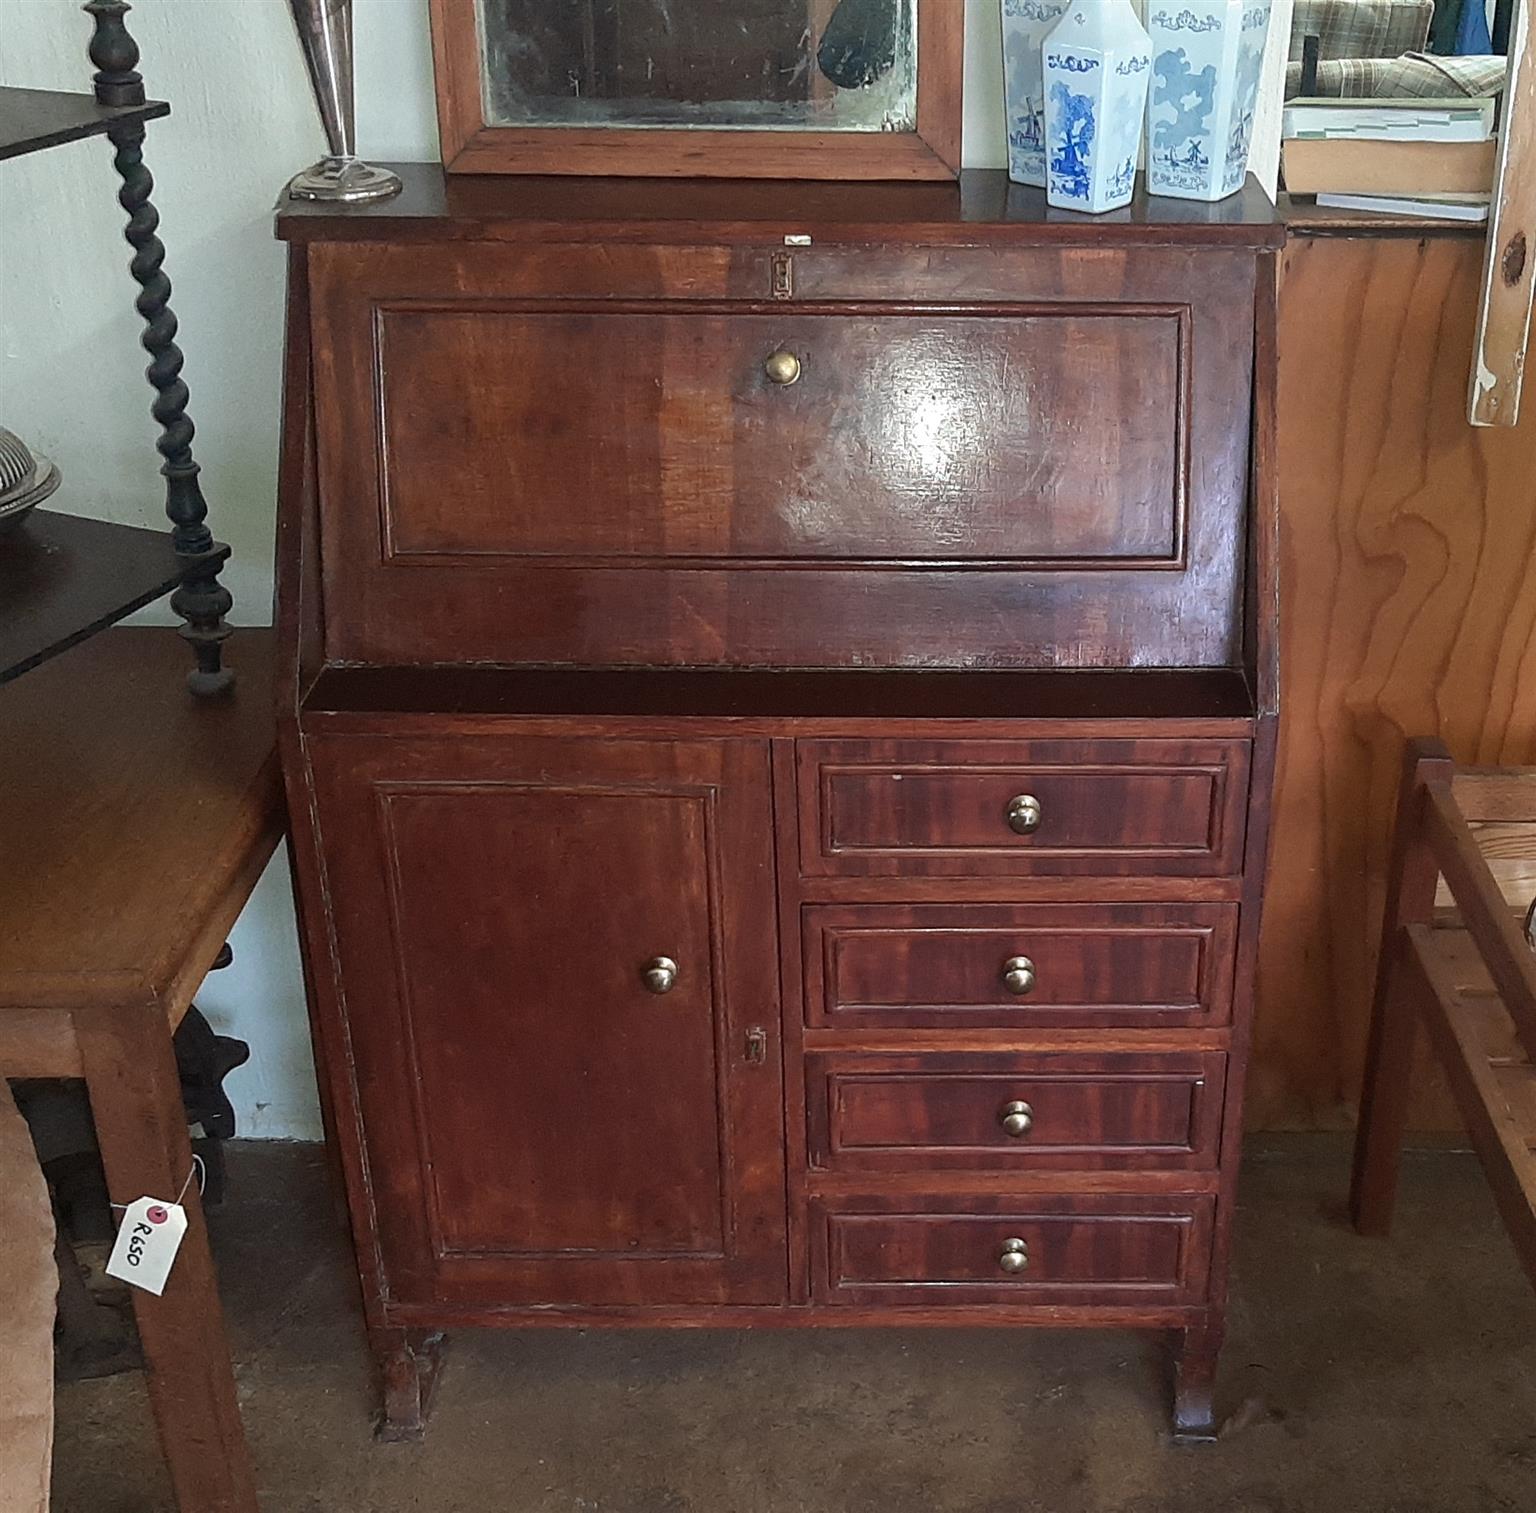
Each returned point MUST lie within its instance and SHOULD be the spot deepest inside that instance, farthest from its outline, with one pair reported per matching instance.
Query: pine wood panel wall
(1409, 601)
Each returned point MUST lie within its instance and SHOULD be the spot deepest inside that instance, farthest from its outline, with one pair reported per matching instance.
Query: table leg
(141, 1129)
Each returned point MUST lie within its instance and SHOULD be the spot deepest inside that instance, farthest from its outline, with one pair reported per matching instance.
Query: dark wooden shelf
(32, 119)
(63, 577)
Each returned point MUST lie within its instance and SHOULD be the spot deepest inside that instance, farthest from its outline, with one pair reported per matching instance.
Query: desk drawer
(1102, 1250)
(983, 808)
(1003, 1111)
(1018, 966)
(594, 453)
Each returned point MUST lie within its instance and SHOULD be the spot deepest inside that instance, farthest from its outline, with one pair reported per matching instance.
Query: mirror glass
(768, 65)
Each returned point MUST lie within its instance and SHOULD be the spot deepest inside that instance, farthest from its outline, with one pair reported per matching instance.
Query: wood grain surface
(941, 966)
(477, 509)
(942, 1110)
(136, 830)
(896, 1250)
(1003, 435)
(1409, 607)
(508, 1059)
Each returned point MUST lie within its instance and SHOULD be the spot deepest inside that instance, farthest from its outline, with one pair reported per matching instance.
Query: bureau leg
(1194, 1385)
(409, 1361)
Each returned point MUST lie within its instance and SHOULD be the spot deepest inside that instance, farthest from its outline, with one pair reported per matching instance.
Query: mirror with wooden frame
(791, 89)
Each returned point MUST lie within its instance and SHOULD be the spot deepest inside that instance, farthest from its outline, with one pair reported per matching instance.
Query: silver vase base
(344, 181)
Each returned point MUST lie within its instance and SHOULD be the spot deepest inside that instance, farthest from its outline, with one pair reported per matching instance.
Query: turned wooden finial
(115, 54)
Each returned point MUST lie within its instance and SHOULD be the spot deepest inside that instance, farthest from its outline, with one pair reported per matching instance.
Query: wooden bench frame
(1470, 980)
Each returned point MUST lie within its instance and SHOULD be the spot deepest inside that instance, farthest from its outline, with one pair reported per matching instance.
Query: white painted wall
(71, 369)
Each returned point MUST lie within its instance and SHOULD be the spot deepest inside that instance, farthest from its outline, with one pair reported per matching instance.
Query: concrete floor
(1368, 1377)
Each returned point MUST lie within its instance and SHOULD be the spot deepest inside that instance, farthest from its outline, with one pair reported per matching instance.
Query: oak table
(136, 821)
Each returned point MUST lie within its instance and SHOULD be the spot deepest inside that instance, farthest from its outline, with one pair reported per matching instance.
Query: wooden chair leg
(141, 1129)
(1194, 1386)
(1384, 1104)
(1412, 875)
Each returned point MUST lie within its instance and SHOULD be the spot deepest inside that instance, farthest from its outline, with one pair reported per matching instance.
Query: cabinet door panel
(548, 1127)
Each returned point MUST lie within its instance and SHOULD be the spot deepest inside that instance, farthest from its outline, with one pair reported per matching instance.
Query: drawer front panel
(1104, 1250)
(978, 808)
(997, 436)
(1018, 966)
(989, 1112)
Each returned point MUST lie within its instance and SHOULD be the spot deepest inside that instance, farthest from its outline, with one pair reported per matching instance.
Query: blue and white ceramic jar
(1097, 64)
(1025, 23)
(1207, 59)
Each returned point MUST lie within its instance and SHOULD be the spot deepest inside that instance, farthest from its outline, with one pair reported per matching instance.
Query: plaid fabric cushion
(1362, 28)
(1419, 76)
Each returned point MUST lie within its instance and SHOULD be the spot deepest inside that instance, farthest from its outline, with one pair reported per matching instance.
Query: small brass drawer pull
(1024, 814)
(1017, 1120)
(783, 368)
(1014, 1257)
(659, 974)
(1019, 975)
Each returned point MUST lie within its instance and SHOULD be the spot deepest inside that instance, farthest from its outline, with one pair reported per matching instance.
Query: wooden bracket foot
(1194, 1387)
(410, 1362)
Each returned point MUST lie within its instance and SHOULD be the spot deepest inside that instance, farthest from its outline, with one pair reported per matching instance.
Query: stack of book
(1404, 157)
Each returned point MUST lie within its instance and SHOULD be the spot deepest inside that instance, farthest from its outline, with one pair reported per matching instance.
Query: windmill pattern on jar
(1097, 67)
(1208, 56)
(1025, 23)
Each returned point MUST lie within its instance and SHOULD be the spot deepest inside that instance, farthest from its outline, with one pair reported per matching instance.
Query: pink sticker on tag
(147, 1242)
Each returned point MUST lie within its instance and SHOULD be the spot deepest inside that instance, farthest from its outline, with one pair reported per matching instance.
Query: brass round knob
(659, 974)
(783, 368)
(1024, 814)
(1014, 1257)
(1019, 975)
(1017, 1120)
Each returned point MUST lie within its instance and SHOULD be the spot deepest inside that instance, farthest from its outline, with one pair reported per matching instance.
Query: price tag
(147, 1243)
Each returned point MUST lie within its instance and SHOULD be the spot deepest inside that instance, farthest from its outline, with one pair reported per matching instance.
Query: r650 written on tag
(147, 1242)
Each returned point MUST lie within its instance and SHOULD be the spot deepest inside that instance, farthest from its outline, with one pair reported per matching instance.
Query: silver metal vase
(325, 30)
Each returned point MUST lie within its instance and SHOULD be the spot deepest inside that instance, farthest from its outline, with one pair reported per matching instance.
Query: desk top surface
(981, 208)
(129, 810)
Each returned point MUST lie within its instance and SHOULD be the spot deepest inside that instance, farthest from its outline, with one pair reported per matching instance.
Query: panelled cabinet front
(563, 1012)
(779, 731)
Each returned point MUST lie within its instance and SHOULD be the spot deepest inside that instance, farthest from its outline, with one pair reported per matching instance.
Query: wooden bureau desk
(778, 709)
